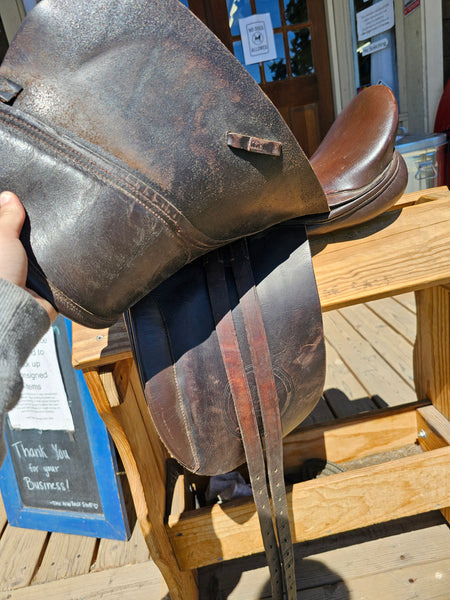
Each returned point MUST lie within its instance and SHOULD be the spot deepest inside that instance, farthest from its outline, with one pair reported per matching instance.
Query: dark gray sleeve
(23, 322)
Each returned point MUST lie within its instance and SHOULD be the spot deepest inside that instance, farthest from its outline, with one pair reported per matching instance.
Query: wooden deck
(369, 356)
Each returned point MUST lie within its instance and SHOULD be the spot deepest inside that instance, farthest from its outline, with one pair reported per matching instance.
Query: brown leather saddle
(157, 175)
(230, 349)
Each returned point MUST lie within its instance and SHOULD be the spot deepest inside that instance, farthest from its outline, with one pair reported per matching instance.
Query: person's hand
(13, 258)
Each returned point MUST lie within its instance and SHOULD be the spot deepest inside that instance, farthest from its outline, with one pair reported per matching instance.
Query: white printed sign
(43, 403)
(375, 47)
(258, 42)
(374, 20)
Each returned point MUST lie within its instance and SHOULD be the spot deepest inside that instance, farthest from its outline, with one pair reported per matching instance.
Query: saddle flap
(174, 339)
(123, 118)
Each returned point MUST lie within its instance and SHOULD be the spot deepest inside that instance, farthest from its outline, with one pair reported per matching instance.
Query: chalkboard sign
(60, 473)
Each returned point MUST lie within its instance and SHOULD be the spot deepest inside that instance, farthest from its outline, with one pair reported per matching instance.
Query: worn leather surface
(174, 339)
(361, 172)
(117, 146)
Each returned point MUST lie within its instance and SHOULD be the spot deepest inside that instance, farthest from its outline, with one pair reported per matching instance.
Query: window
(292, 37)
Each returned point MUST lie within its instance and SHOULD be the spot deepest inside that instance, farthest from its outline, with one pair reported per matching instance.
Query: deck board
(374, 372)
(355, 564)
(116, 553)
(392, 347)
(20, 553)
(65, 556)
(140, 581)
(398, 314)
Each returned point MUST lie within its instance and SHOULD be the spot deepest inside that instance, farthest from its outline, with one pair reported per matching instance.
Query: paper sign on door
(258, 41)
(375, 19)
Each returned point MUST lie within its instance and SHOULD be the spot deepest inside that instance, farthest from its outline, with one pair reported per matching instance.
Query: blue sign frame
(112, 521)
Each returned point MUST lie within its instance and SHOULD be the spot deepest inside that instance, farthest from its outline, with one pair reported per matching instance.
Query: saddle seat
(357, 165)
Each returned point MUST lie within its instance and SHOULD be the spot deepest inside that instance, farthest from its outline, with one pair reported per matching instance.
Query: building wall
(446, 37)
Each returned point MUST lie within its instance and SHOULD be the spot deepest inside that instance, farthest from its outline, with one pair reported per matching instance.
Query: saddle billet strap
(245, 413)
(270, 412)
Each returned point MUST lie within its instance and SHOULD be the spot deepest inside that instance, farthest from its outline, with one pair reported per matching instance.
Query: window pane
(252, 69)
(237, 9)
(296, 11)
(300, 52)
(275, 70)
(272, 7)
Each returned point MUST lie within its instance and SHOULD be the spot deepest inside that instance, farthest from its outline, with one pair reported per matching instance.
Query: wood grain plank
(20, 552)
(435, 426)
(407, 300)
(432, 350)
(397, 316)
(419, 582)
(339, 503)
(338, 376)
(347, 439)
(401, 251)
(139, 582)
(373, 371)
(390, 345)
(100, 346)
(116, 553)
(381, 557)
(65, 556)
(421, 196)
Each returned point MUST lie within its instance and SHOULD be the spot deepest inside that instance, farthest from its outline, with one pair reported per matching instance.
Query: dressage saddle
(159, 181)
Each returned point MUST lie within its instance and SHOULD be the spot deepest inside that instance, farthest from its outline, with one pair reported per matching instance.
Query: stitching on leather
(178, 392)
(383, 184)
(381, 181)
(123, 186)
(57, 292)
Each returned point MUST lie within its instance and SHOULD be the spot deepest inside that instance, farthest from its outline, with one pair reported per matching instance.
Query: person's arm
(24, 317)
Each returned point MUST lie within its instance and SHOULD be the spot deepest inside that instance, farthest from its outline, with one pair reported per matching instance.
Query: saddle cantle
(357, 164)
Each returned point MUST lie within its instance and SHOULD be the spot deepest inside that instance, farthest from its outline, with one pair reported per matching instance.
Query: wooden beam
(433, 428)
(145, 473)
(98, 347)
(339, 503)
(342, 440)
(432, 350)
(401, 251)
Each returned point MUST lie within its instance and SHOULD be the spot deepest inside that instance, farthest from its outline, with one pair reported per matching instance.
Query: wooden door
(298, 81)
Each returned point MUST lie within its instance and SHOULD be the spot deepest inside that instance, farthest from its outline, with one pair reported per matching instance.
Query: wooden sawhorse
(406, 249)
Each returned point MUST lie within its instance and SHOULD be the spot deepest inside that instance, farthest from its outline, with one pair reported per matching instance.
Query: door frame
(419, 58)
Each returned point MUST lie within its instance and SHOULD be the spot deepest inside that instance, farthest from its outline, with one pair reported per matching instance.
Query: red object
(410, 6)
(442, 122)
(442, 125)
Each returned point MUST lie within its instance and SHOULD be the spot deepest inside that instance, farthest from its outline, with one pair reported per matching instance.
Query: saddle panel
(175, 344)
